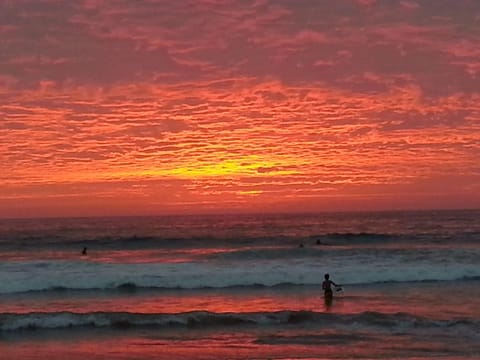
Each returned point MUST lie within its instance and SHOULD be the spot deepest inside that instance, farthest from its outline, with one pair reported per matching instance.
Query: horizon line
(244, 213)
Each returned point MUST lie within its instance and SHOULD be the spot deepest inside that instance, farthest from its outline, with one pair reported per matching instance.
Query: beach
(242, 287)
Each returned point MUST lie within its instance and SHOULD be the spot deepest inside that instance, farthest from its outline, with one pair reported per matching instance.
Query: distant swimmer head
(327, 276)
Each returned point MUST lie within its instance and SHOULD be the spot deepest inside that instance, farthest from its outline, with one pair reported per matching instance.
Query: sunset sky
(204, 106)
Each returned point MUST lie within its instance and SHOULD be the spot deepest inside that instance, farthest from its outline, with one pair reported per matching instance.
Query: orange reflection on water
(165, 302)
(133, 256)
(189, 344)
(428, 300)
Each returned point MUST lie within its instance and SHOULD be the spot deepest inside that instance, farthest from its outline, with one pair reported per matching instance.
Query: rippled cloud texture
(149, 107)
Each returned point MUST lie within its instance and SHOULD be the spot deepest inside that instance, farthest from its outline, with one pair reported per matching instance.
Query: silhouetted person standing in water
(84, 251)
(327, 289)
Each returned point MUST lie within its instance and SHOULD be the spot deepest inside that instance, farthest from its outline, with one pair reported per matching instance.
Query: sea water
(242, 286)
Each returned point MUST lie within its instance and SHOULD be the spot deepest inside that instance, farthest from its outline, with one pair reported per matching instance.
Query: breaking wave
(205, 320)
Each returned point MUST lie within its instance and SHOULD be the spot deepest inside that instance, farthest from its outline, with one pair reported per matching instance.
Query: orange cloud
(158, 108)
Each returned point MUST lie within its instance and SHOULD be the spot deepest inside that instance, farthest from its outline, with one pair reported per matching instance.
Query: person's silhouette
(327, 286)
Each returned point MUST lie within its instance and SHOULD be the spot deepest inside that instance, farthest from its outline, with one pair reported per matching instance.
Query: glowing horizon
(200, 106)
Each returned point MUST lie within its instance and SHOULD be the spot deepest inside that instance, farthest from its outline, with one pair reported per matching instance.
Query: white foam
(35, 276)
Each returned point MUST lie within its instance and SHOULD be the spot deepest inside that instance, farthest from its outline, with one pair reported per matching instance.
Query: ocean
(242, 286)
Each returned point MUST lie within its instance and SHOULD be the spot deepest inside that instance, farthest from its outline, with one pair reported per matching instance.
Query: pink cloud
(366, 3)
(409, 5)
(216, 100)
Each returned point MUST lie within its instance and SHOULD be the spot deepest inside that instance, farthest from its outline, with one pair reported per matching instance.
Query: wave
(324, 250)
(361, 237)
(205, 320)
(21, 277)
(130, 287)
(56, 241)
(103, 242)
